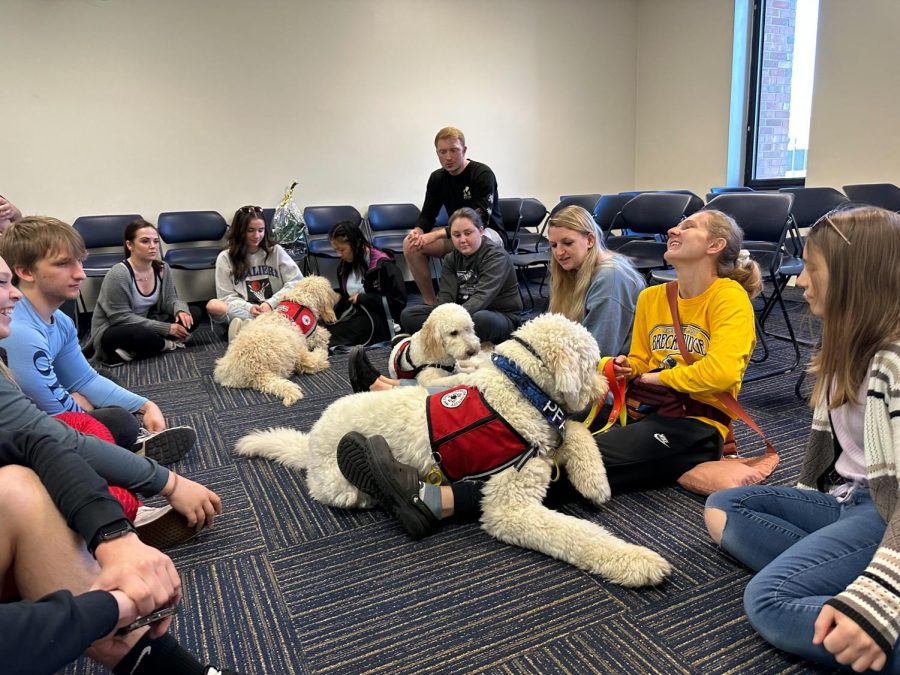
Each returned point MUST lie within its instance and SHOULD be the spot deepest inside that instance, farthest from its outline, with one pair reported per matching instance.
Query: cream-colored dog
(272, 346)
(431, 353)
(560, 357)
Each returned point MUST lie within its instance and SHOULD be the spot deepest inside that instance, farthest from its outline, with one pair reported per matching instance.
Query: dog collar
(299, 314)
(551, 410)
(413, 370)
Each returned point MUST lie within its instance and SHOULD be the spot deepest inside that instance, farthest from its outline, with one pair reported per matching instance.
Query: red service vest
(468, 438)
(300, 314)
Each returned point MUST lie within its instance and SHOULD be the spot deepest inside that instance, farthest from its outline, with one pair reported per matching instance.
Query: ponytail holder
(743, 257)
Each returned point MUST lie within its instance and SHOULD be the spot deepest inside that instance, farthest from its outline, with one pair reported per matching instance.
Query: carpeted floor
(286, 585)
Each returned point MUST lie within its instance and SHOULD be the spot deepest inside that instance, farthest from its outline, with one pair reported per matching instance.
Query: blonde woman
(590, 284)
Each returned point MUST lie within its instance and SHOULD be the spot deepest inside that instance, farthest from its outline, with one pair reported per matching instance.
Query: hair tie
(743, 257)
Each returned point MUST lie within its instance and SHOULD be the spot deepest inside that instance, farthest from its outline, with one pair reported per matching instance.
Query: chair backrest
(320, 219)
(268, 217)
(188, 227)
(724, 189)
(587, 202)
(442, 218)
(103, 231)
(533, 213)
(179, 227)
(384, 217)
(811, 203)
(885, 195)
(607, 208)
(510, 214)
(694, 205)
(654, 212)
(762, 215)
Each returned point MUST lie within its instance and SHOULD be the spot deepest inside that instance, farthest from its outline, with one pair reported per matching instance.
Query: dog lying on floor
(560, 358)
(431, 353)
(274, 345)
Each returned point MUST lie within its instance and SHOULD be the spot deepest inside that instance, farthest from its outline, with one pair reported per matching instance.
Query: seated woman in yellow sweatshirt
(715, 284)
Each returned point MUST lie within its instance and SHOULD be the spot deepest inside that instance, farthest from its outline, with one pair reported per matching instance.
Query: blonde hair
(568, 288)
(862, 302)
(450, 133)
(731, 264)
(35, 238)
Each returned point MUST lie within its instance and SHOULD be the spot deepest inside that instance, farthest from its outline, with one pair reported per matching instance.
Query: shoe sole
(170, 445)
(378, 458)
(351, 457)
(353, 371)
(169, 530)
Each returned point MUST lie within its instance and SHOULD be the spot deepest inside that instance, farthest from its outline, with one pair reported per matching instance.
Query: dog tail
(287, 446)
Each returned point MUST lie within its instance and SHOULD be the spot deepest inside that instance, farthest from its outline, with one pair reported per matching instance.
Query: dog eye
(454, 333)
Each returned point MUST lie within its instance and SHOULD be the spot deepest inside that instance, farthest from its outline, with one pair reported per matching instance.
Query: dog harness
(469, 439)
(404, 366)
(299, 314)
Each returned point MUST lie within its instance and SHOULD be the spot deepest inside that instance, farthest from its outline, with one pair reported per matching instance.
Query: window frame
(754, 76)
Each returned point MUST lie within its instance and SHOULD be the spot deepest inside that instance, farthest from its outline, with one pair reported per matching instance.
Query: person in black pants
(716, 280)
(138, 313)
(373, 293)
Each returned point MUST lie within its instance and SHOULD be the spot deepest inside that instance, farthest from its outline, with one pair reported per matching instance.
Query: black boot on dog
(361, 372)
(369, 465)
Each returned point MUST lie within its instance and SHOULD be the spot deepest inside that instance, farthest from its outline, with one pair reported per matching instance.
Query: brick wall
(773, 160)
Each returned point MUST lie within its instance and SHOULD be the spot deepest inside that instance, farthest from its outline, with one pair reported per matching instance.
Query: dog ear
(431, 341)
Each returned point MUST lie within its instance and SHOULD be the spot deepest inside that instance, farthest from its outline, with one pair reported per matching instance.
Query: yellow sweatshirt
(719, 331)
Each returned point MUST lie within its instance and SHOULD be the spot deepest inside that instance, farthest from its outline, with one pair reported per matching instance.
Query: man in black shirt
(459, 182)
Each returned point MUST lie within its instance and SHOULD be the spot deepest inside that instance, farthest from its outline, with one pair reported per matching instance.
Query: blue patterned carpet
(286, 585)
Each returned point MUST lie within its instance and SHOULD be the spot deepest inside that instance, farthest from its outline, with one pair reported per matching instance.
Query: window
(781, 83)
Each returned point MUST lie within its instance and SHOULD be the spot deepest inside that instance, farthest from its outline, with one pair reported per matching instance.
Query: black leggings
(122, 424)
(139, 340)
(650, 453)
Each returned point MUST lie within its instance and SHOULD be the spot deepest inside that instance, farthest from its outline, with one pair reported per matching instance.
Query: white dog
(431, 353)
(560, 357)
(274, 345)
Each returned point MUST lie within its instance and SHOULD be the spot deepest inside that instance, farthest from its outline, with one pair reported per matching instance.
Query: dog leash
(617, 387)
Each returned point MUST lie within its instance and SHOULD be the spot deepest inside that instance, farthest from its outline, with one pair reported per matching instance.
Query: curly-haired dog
(274, 345)
(558, 357)
(431, 353)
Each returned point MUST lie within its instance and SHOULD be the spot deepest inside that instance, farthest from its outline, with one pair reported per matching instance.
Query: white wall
(855, 129)
(154, 105)
(684, 52)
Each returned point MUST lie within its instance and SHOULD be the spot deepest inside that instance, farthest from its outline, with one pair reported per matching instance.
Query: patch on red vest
(300, 314)
(468, 438)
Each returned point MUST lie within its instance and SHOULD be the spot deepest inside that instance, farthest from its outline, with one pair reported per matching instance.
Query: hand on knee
(715, 523)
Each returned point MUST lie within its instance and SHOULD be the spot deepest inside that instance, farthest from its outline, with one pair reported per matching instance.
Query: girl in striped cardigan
(827, 553)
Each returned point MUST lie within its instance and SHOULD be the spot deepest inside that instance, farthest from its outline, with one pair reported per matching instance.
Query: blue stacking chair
(319, 221)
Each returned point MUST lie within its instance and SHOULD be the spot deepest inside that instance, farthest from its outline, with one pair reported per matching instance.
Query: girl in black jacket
(372, 289)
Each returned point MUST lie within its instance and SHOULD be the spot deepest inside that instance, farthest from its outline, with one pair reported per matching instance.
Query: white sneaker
(172, 345)
(125, 356)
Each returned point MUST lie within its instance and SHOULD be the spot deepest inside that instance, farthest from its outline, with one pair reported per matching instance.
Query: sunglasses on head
(250, 209)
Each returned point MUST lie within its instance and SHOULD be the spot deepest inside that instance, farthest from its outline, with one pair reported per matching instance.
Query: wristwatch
(109, 532)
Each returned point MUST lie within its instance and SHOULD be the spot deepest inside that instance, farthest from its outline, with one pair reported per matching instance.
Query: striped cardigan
(873, 599)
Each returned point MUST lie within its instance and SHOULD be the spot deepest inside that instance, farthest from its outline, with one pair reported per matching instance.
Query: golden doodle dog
(559, 358)
(431, 353)
(274, 345)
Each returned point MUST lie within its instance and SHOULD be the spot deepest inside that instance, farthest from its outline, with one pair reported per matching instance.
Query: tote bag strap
(724, 398)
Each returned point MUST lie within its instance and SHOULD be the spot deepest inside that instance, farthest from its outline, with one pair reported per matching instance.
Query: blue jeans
(806, 548)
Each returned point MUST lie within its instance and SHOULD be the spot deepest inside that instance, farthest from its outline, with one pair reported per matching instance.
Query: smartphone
(140, 622)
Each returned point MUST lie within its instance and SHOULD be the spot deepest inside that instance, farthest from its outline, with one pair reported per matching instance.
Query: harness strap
(406, 373)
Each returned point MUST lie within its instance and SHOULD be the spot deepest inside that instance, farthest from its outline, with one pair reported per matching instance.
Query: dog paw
(291, 398)
(634, 566)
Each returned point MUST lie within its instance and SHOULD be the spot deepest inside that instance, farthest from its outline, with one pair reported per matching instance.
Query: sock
(160, 655)
(431, 497)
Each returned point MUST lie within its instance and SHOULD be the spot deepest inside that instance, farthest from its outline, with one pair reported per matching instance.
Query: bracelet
(174, 485)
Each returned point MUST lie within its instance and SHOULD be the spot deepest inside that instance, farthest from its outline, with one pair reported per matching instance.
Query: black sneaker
(162, 527)
(360, 370)
(166, 447)
(370, 466)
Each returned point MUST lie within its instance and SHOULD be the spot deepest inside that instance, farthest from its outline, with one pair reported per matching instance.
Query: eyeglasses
(250, 209)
